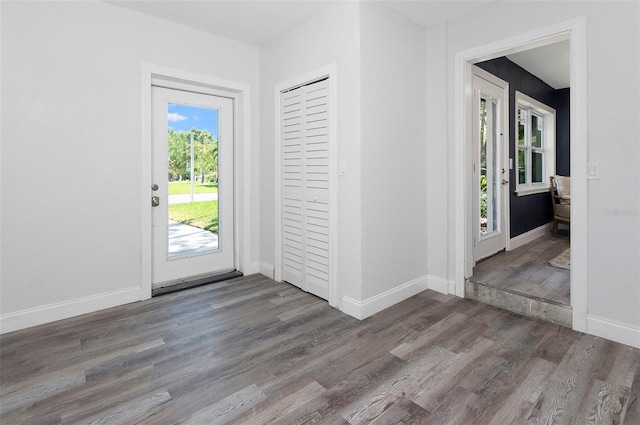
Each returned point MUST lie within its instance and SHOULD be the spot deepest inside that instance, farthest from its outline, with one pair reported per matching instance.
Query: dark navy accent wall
(531, 211)
(563, 133)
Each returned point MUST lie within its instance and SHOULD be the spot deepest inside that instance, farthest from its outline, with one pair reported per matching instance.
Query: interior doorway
(537, 261)
(575, 31)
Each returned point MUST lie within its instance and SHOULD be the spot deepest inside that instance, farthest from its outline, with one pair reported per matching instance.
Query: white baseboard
(452, 288)
(63, 310)
(441, 285)
(363, 309)
(351, 307)
(529, 236)
(267, 269)
(613, 331)
(252, 269)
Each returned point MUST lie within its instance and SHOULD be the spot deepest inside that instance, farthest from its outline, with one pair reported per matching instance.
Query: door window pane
(192, 173)
(488, 167)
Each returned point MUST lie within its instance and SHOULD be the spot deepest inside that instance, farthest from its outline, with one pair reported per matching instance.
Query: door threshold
(188, 284)
(486, 257)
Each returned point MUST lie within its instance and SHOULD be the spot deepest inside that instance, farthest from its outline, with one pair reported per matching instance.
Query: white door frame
(327, 71)
(576, 31)
(240, 92)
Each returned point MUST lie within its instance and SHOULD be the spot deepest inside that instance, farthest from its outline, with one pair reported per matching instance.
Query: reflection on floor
(524, 282)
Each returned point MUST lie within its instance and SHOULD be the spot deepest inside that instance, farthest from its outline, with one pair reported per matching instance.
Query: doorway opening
(573, 312)
(209, 163)
(192, 185)
(536, 262)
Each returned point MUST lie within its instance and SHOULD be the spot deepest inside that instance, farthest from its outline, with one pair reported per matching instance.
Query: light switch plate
(593, 170)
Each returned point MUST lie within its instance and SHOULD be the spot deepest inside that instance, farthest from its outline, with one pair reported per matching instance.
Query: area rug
(563, 260)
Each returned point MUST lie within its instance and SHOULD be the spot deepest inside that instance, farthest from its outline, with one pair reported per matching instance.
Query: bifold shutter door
(305, 143)
(292, 193)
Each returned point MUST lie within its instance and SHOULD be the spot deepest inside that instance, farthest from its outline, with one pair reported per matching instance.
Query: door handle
(155, 201)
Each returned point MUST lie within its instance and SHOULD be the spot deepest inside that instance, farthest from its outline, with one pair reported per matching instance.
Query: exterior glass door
(490, 174)
(192, 191)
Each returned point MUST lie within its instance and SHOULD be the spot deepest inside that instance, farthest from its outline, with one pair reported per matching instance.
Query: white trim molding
(533, 189)
(267, 270)
(363, 309)
(613, 331)
(63, 310)
(441, 285)
(530, 236)
(536, 108)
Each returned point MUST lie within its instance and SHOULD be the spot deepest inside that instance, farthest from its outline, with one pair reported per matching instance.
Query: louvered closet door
(305, 208)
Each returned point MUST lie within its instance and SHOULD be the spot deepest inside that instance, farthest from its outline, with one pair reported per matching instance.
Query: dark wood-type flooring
(253, 351)
(526, 270)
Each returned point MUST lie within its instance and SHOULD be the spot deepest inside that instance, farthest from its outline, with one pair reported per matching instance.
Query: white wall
(380, 58)
(394, 192)
(613, 111)
(330, 37)
(71, 145)
(440, 217)
(614, 126)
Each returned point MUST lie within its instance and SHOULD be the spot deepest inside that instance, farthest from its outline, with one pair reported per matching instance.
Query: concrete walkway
(185, 239)
(197, 197)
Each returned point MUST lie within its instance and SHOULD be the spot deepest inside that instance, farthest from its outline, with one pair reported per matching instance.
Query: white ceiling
(254, 22)
(258, 22)
(431, 12)
(550, 63)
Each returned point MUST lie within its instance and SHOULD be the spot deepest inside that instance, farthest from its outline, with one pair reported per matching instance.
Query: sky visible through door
(192, 137)
(186, 117)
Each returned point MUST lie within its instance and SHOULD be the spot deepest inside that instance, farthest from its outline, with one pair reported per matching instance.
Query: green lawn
(199, 214)
(176, 188)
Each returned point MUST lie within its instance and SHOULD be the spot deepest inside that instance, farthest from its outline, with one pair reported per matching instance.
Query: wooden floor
(526, 270)
(252, 351)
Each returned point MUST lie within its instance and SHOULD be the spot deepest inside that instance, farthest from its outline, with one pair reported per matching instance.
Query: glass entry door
(490, 173)
(192, 185)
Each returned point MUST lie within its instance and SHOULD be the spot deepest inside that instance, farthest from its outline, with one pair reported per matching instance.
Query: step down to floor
(519, 303)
